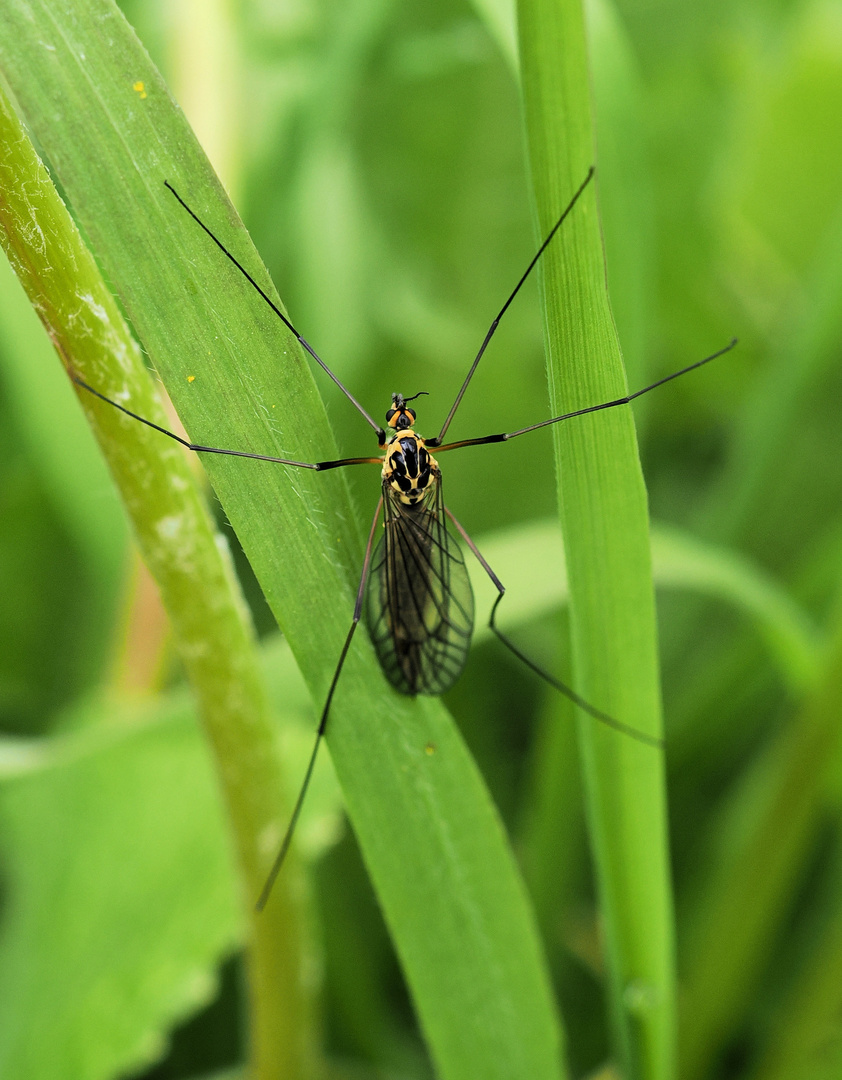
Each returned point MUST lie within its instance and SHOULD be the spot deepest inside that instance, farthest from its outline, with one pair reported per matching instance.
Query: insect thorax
(409, 468)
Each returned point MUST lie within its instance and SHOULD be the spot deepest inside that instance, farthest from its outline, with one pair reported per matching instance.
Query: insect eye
(411, 414)
(389, 414)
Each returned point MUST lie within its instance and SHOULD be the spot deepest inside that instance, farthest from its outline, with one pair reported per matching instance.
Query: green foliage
(376, 154)
(120, 894)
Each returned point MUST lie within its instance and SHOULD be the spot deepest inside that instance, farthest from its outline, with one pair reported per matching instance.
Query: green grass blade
(604, 518)
(429, 833)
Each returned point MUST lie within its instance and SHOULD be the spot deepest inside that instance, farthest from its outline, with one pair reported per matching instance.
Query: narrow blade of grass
(604, 519)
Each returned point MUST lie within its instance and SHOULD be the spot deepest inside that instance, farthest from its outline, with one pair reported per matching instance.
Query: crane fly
(414, 588)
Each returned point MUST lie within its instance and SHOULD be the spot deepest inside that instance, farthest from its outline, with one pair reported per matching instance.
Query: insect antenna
(301, 340)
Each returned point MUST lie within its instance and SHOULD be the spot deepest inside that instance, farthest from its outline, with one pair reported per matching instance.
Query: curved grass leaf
(430, 836)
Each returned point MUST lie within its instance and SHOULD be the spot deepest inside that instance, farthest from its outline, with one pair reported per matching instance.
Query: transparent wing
(419, 602)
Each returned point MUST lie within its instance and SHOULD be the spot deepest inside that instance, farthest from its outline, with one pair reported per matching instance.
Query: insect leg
(506, 435)
(318, 466)
(597, 714)
(299, 802)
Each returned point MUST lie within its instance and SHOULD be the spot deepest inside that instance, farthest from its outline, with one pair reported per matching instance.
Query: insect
(414, 585)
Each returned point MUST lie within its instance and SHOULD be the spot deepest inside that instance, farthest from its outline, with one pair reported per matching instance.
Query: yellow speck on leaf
(430, 749)
(140, 89)
(190, 378)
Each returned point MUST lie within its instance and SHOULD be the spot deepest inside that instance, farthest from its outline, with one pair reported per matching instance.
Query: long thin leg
(318, 466)
(505, 308)
(505, 436)
(299, 802)
(302, 341)
(597, 714)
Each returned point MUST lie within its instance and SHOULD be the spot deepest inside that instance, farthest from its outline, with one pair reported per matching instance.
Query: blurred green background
(376, 154)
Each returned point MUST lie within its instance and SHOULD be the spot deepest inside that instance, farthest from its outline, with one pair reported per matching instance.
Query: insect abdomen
(419, 602)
